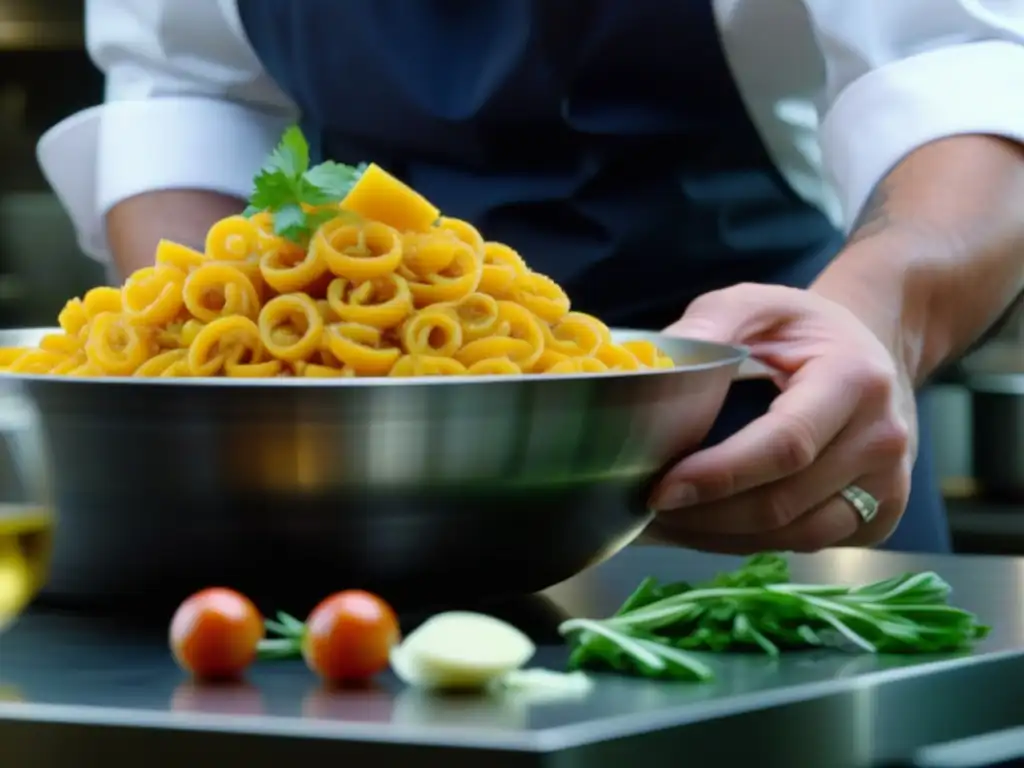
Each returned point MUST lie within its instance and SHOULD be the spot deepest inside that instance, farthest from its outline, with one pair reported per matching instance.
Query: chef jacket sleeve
(187, 106)
(903, 73)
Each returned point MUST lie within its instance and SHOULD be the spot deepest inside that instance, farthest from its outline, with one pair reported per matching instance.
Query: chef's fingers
(832, 522)
(858, 451)
(800, 424)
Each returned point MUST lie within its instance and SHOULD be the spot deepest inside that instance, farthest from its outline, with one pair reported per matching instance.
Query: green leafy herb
(757, 608)
(288, 643)
(286, 183)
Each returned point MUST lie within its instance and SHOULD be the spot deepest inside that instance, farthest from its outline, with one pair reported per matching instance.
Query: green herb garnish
(290, 633)
(286, 183)
(757, 608)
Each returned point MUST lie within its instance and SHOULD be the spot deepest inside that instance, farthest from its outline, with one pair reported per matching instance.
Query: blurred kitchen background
(45, 75)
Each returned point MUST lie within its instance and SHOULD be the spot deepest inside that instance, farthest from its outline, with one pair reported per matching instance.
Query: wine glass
(26, 516)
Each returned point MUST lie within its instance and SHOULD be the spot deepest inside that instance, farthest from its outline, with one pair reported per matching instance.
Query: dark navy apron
(604, 139)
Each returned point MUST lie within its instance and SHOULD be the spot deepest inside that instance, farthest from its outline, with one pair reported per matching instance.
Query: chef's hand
(846, 415)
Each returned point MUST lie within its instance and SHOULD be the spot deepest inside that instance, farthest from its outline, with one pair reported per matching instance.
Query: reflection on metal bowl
(426, 490)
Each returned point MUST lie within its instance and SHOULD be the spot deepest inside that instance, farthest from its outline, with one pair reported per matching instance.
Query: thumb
(737, 314)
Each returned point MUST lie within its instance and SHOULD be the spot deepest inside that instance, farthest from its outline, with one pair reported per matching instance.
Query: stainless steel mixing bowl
(425, 490)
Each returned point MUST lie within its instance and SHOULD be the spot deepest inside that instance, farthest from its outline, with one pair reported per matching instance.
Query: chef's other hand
(846, 415)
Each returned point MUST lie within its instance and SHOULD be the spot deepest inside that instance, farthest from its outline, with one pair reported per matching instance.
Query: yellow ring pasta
(179, 256)
(479, 316)
(232, 239)
(664, 362)
(317, 371)
(644, 351)
(226, 341)
(264, 222)
(384, 302)
(219, 290)
(61, 343)
(73, 318)
(86, 370)
(9, 354)
(432, 331)
(153, 295)
(67, 365)
(379, 283)
(290, 327)
(578, 365)
(250, 267)
(101, 300)
(493, 347)
(265, 370)
(459, 279)
(436, 365)
(287, 270)
(464, 232)
(494, 366)
(502, 266)
(547, 359)
(155, 366)
(177, 335)
(114, 346)
(36, 361)
(177, 370)
(541, 295)
(359, 347)
(426, 365)
(523, 325)
(617, 357)
(425, 254)
(358, 252)
(576, 334)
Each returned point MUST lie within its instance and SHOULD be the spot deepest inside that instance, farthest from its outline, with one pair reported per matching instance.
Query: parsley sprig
(756, 607)
(286, 183)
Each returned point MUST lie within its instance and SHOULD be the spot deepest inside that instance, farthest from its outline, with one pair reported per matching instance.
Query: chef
(838, 184)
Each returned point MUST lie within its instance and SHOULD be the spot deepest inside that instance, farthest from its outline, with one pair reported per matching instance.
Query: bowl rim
(730, 355)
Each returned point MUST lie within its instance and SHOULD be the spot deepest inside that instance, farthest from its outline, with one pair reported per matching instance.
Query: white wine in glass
(26, 540)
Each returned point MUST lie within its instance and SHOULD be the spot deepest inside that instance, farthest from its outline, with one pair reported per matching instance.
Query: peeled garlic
(460, 650)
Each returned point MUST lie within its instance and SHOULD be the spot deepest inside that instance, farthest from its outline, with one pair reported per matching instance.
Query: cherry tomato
(215, 632)
(349, 636)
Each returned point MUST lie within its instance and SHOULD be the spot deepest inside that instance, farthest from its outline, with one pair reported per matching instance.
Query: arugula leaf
(286, 186)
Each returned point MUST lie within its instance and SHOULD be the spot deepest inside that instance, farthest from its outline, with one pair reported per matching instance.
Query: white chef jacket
(839, 90)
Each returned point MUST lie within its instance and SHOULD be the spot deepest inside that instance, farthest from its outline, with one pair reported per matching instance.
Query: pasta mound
(386, 287)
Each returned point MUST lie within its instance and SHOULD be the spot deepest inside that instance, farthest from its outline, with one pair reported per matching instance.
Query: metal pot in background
(948, 404)
(994, 376)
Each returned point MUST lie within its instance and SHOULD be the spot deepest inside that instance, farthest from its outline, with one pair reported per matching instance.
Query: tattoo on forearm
(874, 217)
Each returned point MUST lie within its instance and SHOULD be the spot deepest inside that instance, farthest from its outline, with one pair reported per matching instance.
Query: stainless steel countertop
(78, 685)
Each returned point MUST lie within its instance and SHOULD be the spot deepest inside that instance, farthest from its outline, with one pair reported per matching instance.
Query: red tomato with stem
(349, 637)
(215, 633)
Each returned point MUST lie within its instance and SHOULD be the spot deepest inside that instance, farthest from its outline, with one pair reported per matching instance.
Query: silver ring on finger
(863, 502)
